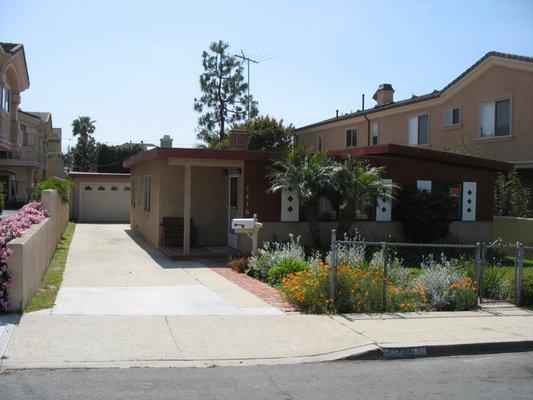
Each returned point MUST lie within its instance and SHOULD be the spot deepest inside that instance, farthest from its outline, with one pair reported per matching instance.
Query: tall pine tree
(224, 99)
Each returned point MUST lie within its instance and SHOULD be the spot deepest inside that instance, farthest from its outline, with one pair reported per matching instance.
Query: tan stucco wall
(209, 200)
(33, 251)
(495, 83)
(513, 229)
(371, 231)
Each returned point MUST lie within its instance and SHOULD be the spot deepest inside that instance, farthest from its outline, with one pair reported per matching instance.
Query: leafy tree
(357, 184)
(311, 175)
(82, 157)
(224, 97)
(268, 134)
(83, 127)
(464, 149)
(426, 216)
(511, 196)
(110, 158)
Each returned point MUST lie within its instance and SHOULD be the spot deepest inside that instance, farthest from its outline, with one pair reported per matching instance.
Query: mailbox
(243, 224)
(249, 227)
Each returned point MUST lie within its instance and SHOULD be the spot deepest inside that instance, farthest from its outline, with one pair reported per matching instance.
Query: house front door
(233, 204)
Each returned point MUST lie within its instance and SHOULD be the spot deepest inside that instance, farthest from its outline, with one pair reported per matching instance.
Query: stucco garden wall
(460, 232)
(514, 229)
(33, 251)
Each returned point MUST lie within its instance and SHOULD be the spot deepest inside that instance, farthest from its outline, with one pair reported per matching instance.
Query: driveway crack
(174, 338)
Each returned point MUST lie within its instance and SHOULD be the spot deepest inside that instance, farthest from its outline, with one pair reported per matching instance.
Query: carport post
(187, 210)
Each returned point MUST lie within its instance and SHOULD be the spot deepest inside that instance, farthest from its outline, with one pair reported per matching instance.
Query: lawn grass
(46, 295)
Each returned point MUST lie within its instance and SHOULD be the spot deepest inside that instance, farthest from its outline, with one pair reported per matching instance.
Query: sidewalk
(70, 341)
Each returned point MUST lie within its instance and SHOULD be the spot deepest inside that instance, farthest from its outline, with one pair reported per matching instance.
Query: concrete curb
(417, 350)
(366, 352)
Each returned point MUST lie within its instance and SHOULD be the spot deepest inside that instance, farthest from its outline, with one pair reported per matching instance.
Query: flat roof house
(207, 188)
(489, 104)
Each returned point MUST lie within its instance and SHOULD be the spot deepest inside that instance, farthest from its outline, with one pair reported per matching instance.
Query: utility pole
(243, 57)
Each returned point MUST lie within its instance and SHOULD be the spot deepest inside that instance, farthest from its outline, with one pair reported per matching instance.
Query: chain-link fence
(494, 272)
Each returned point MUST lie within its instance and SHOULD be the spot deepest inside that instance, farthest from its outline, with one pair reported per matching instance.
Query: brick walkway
(260, 289)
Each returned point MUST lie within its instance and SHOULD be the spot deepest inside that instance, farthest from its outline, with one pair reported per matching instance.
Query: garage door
(104, 202)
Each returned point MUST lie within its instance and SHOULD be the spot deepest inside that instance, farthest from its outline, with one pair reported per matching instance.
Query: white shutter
(424, 186)
(412, 131)
(469, 201)
(290, 205)
(384, 206)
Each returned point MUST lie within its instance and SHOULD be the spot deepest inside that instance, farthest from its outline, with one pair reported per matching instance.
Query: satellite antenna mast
(243, 57)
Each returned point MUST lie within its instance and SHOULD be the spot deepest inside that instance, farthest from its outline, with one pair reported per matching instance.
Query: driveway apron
(110, 270)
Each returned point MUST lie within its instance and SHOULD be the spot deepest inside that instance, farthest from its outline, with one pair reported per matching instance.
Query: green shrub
(425, 216)
(284, 267)
(62, 187)
(527, 291)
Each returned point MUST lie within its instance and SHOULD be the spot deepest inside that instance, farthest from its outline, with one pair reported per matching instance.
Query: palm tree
(357, 183)
(83, 126)
(311, 175)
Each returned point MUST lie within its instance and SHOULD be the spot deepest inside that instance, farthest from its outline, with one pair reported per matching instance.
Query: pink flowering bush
(13, 227)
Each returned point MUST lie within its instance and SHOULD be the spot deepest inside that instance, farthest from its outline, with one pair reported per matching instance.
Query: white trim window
(146, 193)
(351, 137)
(6, 97)
(418, 130)
(374, 132)
(495, 118)
(452, 116)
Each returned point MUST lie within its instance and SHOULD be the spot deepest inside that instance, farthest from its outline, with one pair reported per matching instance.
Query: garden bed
(434, 280)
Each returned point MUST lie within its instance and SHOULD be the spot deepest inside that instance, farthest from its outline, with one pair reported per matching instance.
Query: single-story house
(208, 188)
(100, 197)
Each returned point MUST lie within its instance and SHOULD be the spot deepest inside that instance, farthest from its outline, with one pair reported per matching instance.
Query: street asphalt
(497, 376)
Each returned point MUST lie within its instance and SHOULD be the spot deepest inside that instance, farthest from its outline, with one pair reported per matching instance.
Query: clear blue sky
(133, 66)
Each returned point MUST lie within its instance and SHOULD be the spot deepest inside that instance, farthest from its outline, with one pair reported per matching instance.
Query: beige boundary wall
(513, 229)
(33, 251)
(460, 232)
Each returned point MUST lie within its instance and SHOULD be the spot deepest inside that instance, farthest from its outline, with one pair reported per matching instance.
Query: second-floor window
(374, 132)
(418, 130)
(351, 138)
(6, 98)
(452, 116)
(495, 118)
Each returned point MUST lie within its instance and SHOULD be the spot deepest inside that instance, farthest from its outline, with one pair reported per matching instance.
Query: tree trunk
(312, 211)
(348, 217)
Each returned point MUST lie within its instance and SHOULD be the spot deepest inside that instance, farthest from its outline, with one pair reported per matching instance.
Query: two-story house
(490, 104)
(24, 136)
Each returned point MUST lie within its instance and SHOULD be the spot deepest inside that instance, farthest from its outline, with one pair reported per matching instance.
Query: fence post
(333, 267)
(385, 270)
(519, 269)
(477, 276)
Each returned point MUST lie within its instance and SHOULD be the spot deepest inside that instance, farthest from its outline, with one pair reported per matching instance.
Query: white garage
(101, 197)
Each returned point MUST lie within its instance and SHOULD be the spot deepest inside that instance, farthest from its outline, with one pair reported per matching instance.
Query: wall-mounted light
(238, 171)
(225, 171)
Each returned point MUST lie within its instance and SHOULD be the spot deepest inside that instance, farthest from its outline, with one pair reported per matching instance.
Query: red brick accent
(265, 292)
(238, 139)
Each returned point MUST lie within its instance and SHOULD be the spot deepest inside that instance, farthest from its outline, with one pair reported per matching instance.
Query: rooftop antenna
(248, 60)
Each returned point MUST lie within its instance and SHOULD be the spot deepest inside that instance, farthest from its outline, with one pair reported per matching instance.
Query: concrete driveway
(112, 271)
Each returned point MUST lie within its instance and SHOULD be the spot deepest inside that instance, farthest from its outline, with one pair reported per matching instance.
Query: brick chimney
(384, 94)
(166, 141)
(238, 139)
